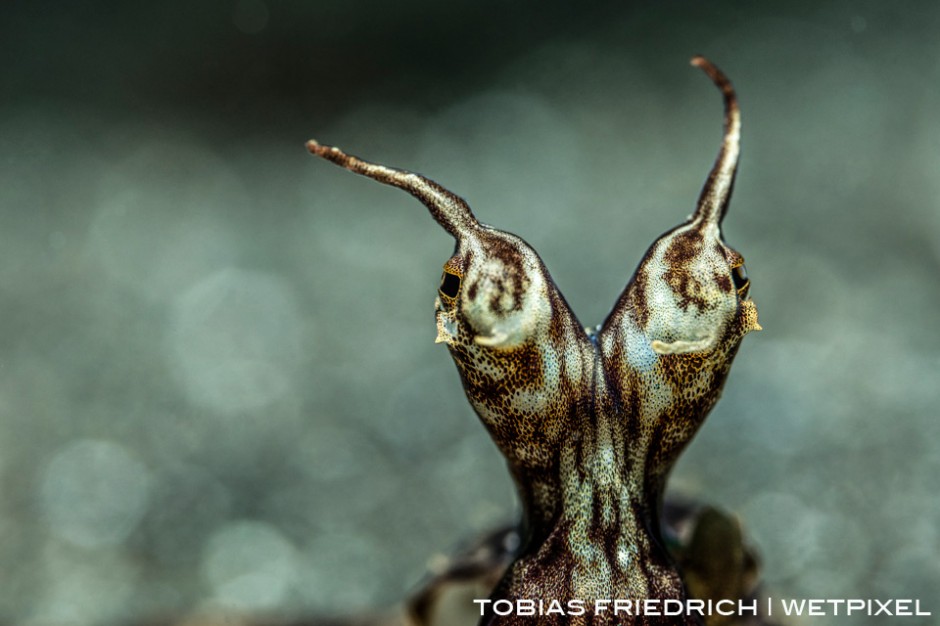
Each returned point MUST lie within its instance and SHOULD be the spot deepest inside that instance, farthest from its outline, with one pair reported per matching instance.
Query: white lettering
(855, 605)
(507, 610)
(835, 605)
(651, 606)
(815, 607)
(525, 607)
(882, 607)
(673, 607)
(791, 607)
(723, 611)
(695, 606)
(745, 607)
(624, 606)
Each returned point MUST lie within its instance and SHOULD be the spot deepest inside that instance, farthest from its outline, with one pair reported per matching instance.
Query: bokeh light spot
(234, 340)
(93, 493)
(249, 565)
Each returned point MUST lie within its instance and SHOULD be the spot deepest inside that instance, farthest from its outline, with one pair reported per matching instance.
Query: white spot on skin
(623, 556)
(496, 340)
(684, 347)
(671, 328)
(573, 365)
(446, 327)
(551, 369)
(639, 350)
(527, 401)
(604, 464)
(502, 327)
(659, 397)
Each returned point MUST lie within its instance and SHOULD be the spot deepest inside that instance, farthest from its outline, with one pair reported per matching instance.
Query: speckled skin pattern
(590, 420)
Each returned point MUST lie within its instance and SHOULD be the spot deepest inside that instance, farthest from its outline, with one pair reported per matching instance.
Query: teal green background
(218, 383)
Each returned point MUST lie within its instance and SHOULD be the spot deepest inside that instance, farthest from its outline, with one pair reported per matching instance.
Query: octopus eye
(739, 276)
(450, 285)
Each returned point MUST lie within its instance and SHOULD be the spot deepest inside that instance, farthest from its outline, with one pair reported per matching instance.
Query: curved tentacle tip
(718, 77)
(331, 154)
(704, 64)
(318, 149)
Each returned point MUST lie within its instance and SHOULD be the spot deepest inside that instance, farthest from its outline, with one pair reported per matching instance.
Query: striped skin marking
(590, 422)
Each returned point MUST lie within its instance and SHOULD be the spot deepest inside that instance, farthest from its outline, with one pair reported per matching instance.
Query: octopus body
(590, 421)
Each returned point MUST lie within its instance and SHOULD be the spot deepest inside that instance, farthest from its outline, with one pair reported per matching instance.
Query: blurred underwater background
(219, 388)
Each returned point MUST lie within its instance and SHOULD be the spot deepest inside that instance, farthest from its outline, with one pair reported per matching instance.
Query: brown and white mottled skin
(590, 421)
